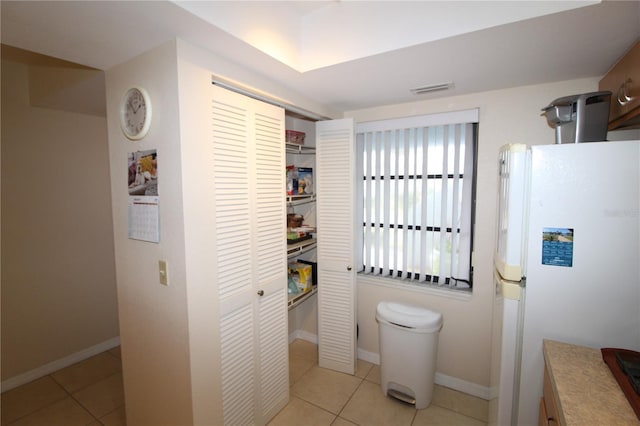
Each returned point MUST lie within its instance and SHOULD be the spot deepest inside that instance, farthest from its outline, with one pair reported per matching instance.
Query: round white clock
(135, 113)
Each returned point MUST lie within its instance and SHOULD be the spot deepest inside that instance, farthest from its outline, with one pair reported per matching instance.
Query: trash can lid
(409, 316)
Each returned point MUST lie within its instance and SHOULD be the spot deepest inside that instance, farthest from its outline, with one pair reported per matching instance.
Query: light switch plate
(164, 272)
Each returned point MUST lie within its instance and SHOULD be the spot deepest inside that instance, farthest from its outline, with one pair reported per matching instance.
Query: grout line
(415, 414)
(70, 395)
(315, 405)
(351, 396)
(87, 408)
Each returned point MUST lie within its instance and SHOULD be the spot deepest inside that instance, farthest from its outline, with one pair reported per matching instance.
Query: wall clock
(135, 113)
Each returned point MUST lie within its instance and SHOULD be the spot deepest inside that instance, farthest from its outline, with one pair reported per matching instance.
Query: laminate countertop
(584, 388)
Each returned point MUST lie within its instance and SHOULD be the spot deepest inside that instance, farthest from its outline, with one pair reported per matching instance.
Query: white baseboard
(374, 358)
(450, 382)
(463, 386)
(441, 379)
(371, 357)
(303, 335)
(59, 364)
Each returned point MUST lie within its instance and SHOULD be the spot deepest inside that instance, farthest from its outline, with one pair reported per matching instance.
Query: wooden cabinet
(623, 80)
(548, 404)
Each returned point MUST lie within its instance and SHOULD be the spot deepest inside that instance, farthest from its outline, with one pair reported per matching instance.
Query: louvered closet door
(335, 162)
(248, 151)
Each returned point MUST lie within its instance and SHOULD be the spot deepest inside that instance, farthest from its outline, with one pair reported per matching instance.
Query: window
(416, 197)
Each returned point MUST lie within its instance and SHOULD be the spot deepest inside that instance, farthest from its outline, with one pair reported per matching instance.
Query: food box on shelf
(305, 180)
(299, 180)
(314, 270)
(294, 220)
(294, 136)
(302, 274)
(292, 180)
(302, 233)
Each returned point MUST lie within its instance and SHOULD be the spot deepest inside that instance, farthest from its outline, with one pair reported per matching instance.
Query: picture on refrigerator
(557, 246)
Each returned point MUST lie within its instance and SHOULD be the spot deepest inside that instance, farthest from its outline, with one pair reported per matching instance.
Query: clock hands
(133, 108)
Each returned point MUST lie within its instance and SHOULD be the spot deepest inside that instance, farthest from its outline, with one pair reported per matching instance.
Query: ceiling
(346, 54)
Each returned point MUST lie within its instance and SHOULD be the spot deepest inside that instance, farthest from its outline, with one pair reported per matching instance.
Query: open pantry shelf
(296, 299)
(296, 249)
(293, 148)
(297, 200)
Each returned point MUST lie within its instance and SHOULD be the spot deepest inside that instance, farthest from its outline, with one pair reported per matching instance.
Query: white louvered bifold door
(270, 263)
(248, 153)
(335, 162)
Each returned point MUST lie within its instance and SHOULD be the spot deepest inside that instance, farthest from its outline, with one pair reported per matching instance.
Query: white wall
(170, 338)
(58, 270)
(200, 241)
(506, 116)
(168, 333)
(153, 317)
(303, 320)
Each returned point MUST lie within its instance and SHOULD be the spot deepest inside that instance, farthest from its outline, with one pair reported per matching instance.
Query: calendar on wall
(144, 219)
(144, 211)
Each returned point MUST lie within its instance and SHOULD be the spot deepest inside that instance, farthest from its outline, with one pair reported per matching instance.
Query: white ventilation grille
(431, 88)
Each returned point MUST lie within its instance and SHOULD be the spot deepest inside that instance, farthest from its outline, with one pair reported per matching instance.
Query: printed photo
(143, 172)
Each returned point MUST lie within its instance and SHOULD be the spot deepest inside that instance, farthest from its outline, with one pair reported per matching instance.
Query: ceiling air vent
(431, 88)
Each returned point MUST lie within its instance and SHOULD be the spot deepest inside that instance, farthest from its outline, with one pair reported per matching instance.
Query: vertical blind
(416, 201)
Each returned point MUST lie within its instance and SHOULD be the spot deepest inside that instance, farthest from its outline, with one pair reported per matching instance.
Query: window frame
(422, 121)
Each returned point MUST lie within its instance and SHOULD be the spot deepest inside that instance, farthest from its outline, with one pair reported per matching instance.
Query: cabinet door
(623, 80)
(549, 402)
(542, 414)
(335, 162)
(250, 263)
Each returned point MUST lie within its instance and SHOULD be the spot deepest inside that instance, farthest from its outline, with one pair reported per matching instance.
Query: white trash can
(408, 349)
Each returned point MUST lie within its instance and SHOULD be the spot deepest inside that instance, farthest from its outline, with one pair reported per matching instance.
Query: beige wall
(169, 334)
(153, 317)
(506, 116)
(58, 271)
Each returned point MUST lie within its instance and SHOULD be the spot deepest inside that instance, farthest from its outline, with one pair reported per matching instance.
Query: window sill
(408, 285)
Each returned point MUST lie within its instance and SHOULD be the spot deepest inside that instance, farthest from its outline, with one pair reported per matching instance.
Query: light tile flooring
(91, 393)
(87, 393)
(324, 397)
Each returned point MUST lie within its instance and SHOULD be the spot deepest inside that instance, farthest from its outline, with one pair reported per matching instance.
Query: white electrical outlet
(164, 272)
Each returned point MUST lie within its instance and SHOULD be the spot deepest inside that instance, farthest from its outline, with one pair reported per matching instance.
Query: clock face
(135, 113)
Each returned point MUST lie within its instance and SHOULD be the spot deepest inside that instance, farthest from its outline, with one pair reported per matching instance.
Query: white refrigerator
(567, 262)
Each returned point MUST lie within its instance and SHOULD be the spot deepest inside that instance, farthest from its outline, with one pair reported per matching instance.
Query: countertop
(586, 391)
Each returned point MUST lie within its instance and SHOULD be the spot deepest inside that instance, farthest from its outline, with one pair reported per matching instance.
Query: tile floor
(324, 397)
(87, 393)
(90, 393)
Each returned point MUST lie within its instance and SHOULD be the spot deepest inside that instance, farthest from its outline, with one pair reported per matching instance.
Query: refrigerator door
(512, 211)
(583, 269)
(505, 351)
